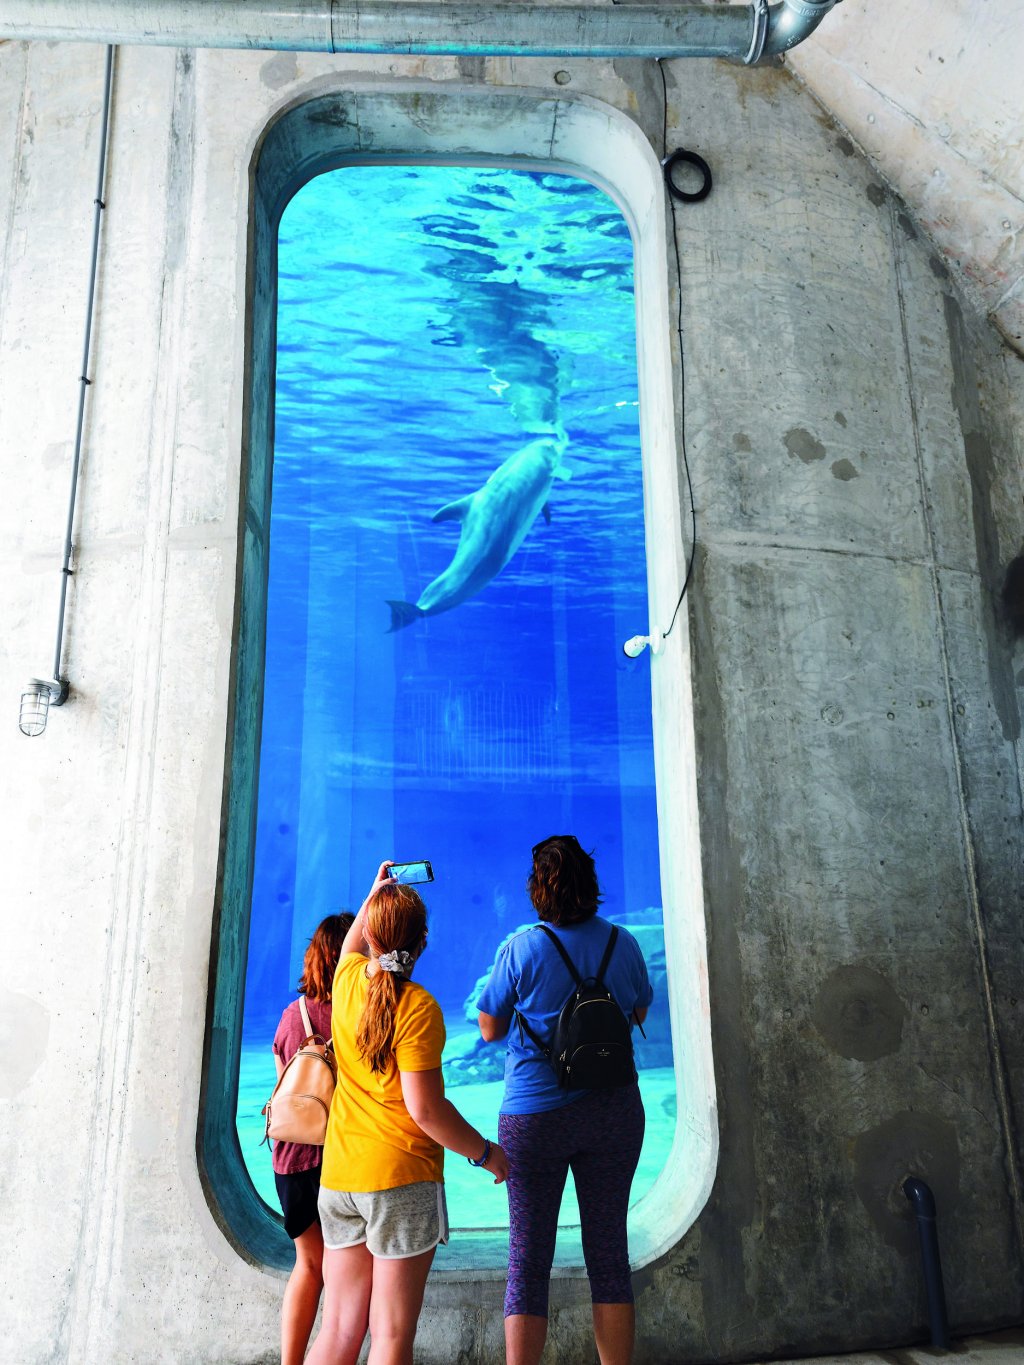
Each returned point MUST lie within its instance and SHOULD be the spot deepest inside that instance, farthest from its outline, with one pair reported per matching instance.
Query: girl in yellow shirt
(382, 1205)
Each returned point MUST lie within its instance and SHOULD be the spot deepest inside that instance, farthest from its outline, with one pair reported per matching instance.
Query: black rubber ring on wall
(683, 157)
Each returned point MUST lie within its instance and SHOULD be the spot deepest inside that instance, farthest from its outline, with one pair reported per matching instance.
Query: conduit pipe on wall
(426, 27)
(42, 693)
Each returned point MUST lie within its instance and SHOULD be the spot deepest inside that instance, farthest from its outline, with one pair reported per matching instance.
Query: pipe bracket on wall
(759, 17)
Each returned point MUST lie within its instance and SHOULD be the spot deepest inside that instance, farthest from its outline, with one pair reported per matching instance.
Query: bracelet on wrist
(485, 1158)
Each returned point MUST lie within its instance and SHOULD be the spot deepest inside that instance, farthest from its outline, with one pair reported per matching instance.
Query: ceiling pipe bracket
(759, 19)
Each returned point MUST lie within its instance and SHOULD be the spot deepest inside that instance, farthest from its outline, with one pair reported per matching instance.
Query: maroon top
(291, 1157)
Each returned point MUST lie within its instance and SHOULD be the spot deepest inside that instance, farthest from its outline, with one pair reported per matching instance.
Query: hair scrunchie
(398, 962)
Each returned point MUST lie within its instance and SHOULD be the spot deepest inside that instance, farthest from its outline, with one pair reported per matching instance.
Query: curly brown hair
(396, 919)
(563, 883)
(321, 960)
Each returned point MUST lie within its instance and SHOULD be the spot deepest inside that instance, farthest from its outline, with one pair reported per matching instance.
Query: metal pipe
(790, 23)
(923, 1203)
(84, 381)
(425, 27)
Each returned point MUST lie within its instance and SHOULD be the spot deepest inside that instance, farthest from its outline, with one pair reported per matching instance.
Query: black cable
(665, 159)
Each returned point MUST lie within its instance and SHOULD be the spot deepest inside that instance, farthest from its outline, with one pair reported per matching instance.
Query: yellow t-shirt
(372, 1143)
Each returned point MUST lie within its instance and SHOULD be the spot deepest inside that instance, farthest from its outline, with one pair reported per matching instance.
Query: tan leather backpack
(298, 1108)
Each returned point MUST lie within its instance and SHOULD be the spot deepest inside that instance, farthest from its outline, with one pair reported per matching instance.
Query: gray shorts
(405, 1221)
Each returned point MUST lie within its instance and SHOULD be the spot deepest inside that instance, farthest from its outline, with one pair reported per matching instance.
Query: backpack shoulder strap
(305, 1017)
(563, 954)
(525, 1027)
(607, 954)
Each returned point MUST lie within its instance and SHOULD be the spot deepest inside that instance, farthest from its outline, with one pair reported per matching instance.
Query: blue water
(432, 322)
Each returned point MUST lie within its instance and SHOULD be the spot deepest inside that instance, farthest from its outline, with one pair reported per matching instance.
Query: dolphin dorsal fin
(454, 511)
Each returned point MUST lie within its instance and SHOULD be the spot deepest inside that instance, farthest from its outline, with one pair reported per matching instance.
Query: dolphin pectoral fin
(454, 511)
(560, 473)
(546, 509)
(403, 614)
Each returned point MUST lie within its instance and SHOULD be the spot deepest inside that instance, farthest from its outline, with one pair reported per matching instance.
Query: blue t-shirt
(530, 976)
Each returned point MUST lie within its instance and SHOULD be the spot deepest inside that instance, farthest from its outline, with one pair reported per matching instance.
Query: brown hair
(396, 920)
(563, 884)
(321, 960)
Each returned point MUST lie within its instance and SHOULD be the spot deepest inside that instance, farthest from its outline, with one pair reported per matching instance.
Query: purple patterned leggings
(599, 1137)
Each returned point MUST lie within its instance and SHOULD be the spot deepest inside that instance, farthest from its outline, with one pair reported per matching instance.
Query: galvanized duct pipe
(425, 26)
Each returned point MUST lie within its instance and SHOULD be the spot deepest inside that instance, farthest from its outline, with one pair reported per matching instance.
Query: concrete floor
(998, 1348)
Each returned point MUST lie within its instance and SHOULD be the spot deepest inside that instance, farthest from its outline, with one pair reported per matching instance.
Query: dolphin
(495, 520)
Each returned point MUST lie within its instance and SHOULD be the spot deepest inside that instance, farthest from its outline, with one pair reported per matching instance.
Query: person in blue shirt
(544, 1130)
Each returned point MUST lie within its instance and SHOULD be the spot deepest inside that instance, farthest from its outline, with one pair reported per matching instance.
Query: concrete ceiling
(933, 92)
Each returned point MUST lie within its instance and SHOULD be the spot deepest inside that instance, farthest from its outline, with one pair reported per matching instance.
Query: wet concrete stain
(845, 471)
(473, 69)
(938, 267)
(179, 160)
(803, 446)
(840, 419)
(741, 441)
(981, 469)
(844, 145)
(910, 1143)
(332, 115)
(1013, 595)
(279, 70)
(877, 195)
(907, 227)
(858, 1014)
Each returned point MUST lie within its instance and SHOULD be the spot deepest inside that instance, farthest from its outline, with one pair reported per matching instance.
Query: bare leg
(614, 1329)
(525, 1335)
(302, 1296)
(348, 1279)
(395, 1305)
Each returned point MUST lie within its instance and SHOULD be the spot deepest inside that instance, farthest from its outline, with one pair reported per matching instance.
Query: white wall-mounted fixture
(36, 699)
(636, 644)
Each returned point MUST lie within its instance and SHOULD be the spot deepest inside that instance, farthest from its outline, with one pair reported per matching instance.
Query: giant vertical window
(438, 684)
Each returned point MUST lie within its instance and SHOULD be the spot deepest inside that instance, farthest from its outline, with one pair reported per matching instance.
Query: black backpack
(592, 1047)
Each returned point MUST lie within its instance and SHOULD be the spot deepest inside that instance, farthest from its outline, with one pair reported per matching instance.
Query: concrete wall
(931, 93)
(853, 433)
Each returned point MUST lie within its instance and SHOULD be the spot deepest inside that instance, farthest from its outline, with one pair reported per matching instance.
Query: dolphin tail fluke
(403, 614)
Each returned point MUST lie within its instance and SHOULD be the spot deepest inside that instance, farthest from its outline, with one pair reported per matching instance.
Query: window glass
(438, 688)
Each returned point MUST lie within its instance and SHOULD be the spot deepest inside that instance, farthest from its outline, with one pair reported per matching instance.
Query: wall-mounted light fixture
(36, 700)
(636, 644)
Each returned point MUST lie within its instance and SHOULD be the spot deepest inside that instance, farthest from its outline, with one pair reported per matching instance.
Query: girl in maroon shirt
(296, 1164)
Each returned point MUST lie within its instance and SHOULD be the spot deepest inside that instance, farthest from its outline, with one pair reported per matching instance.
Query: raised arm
(355, 940)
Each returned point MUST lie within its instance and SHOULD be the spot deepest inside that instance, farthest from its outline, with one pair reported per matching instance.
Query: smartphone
(410, 873)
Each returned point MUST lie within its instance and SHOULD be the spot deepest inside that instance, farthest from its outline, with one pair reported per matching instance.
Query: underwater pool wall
(850, 691)
(319, 133)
